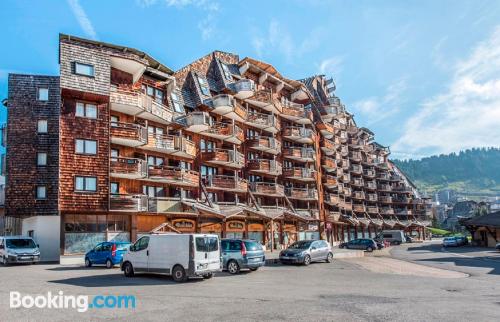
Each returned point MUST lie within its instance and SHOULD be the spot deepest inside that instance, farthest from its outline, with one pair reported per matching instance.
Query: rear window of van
(207, 244)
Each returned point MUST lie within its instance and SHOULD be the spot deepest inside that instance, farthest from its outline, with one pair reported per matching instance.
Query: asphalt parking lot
(341, 291)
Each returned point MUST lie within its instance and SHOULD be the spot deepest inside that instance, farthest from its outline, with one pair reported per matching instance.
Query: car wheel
(307, 260)
(233, 267)
(128, 270)
(109, 263)
(179, 274)
(253, 269)
(369, 249)
(208, 276)
(329, 258)
(88, 263)
(397, 243)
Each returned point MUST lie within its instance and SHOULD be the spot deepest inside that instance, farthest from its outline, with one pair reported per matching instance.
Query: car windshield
(123, 246)
(20, 243)
(301, 245)
(249, 245)
(449, 238)
(207, 244)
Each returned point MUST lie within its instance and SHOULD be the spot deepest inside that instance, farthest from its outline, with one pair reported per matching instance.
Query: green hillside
(473, 172)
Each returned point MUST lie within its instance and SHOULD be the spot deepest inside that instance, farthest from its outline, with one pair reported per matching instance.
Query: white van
(18, 249)
(395, 237)
(179, 255)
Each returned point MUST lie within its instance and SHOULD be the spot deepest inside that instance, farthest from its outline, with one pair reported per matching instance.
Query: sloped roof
(491, 219)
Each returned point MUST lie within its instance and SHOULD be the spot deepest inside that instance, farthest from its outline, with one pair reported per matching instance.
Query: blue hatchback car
(107, 253)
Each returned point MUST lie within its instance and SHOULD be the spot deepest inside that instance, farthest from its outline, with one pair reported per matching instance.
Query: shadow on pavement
(111, 280)
(473, 262)
(459, 249)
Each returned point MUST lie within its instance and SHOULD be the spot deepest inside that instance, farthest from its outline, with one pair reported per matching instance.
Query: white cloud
(331, 66)
(467, 114)
(82, 18)
(378, 108)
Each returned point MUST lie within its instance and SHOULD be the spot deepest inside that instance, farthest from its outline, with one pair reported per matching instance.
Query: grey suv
(240, 254)
(307, 251)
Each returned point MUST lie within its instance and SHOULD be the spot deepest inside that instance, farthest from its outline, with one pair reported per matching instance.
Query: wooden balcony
(264, 100)
(343, 136)
(372, 197)
(346, 178)
(384, 187)
(344, 151)
(225, 183)
(299, 154)
(326, 130)
(244, 88)
(171, 144)
(403, 212)
(401, 199)
(383, 176)
(384, 199)
(346, 164)
(226, 132)
(299, 134)
(329, 164)
(128, 202)
(356, 169)
(195, 122)
(267, 189)
(222, 157)
(300, 174)
(330, 182)
(369, 173)
(402, 189)
(371, 185)
(330, 111)
(355, 157)
(346, 191)
(386, 211)
(359, 208)
(265, 167)
(128, 134)
(296, 113)
(265, 144)
(358, 195)
(347, 206)
(139, 104)
(301, 193)
(127, 168)
(358, 182)
(227, 106)
(266, 122)
(332, 199)
(372, 210)
(328, 147)
(173, 175)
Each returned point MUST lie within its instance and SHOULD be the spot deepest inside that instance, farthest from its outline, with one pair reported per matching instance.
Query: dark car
(306, 252)
(380, 244)
(240, 254)
(363, 244)
(107, 253)
(408, 239)
(461, 240)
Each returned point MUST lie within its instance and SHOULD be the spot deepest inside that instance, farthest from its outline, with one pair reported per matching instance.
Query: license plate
(25, 257)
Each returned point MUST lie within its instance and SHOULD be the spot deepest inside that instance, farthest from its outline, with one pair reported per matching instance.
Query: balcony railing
(128, 202)
(128, 168)
(173, 175)
(344, 151)
(301, 193)
(346, 178)
(171, 144)
(328, 164)
(355, 157)
(369, 173)
(266, 122)
(386, 211)
(346, 191)
(296, 112)
(265, 166)
(227, 183)
(196, 122)
(357, 169)
(329, 181)
(358, 195)
(383, 176)
(264, 99)
(299, 134)
(384, 187)
(268, 189)
(139, 104)
(404, 189)
(358, 208)
(385, 199)
(128, 134)
(228, 158)
(244, 88)
(301, 174)
(326, 129)
(332, 199)
(372, 209)
(328, 146)
(372, 197)
(227, 132)
(357, 182)
(401, 200)
(265, 144)
(227, 106)
(299, 154)
(346, 164)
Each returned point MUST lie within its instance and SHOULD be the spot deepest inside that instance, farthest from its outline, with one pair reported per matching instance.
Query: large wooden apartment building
(118, 145)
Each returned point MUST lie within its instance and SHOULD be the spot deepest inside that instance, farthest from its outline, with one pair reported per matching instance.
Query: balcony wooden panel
(266, 122)
(128, 134)
(264, 99)
(384, 199)
(170, 144)
(369, 173)
(226, 132)
(331, 199)
(265, 167)
(128, 202)
(226, 183)
(299, 154)
(384, 187)
(357, 182)
(299, 134)
(267, 189)
(326, 129)
(244, 88)
(371, 185)
(328, 147)
(355, 156)
(227, 106)
(300, 174)
(329, 164)
(356, 169)
(372, 197)
(195, 122)
(173, 175)
(222, 157)
(296, 113)
(329, 181)
(372, 210)
(301, 193)
(358, 195)
(359, 208)
(386, 210)
(265, 144)
(127, 168)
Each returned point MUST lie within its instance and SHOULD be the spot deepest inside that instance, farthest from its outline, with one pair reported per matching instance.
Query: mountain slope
(472, 172)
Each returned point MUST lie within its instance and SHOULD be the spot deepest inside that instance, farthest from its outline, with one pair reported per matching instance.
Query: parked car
(107, 253)
(450, 242)
(461, 240)
(395, 237)
(307, 251)
(380, 244)
(408, 239)
(18, 249)
(180, 255)
(498, 246)
(240, 254)
(368, 245)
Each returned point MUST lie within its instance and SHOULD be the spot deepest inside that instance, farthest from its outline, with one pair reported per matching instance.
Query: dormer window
(227, 73)
(177, 103)
(203, 86)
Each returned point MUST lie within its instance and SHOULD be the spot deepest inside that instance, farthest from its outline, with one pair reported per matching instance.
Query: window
(114, 120)
(227, 73)
(203, 86)
(155, 130)
(85, 146)
(177, 103)
(41, 192)
(43, 94)
(114, 188)
(153, 160)
(207, 244)
(86, 110)
(155, 93)
(86, 184)
(114, 154)
(42, 126)
(153, 192)
(207, 146)
(84, 69)
(41, 159)
(141, 244)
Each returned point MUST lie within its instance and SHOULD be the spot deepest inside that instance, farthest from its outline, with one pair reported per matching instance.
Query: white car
(179, 255)
(18, 249)
(450, 241)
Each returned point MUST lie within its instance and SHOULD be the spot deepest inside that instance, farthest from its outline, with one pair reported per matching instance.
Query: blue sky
(423, 75)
